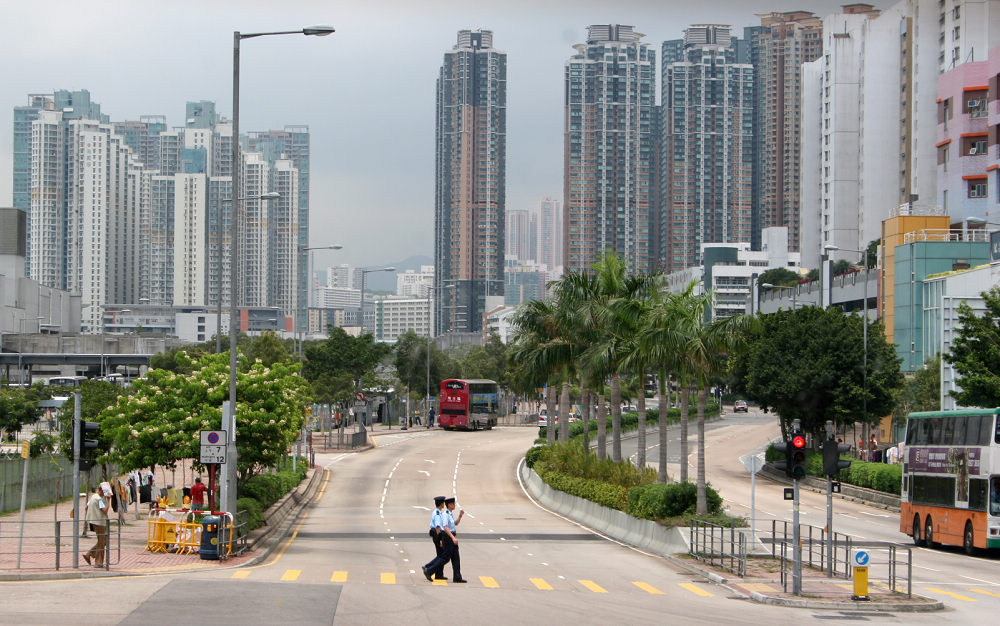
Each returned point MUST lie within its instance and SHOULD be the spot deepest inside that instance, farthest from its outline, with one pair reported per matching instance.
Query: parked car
(741, 405)
(543, 418)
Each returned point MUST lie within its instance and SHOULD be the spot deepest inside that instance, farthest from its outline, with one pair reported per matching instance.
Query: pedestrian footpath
(39, 551)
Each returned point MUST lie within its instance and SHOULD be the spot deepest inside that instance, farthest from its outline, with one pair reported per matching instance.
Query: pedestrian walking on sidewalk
(97, 521)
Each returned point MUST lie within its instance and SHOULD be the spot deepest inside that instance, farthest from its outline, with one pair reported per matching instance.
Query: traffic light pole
(797, 544)
(76, 478)
(829, 526)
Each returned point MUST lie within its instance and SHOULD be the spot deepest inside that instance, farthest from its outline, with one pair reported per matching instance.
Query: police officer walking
(451, 524)
(442, 543)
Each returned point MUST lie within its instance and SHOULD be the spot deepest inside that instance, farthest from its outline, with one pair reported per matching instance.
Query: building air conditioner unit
(972, 150)
(975, 104)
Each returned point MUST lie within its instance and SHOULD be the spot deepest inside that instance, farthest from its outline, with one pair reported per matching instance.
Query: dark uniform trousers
(456, 560)
(438, 550)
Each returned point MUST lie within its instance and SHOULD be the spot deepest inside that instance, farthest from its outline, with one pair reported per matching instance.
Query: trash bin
(209, 547)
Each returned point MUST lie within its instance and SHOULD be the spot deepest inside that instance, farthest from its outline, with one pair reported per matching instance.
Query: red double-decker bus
(468, 404)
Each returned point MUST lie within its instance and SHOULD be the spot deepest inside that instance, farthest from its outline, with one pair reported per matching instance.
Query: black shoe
(440, 577)
(459, 580)
(427, 574)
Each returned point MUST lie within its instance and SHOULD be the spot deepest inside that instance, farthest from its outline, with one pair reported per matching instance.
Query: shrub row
(884, 477)
(630, 421)
(261, 491)
(567, 467)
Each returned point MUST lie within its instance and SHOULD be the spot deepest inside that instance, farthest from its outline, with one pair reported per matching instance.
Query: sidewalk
(38, 550)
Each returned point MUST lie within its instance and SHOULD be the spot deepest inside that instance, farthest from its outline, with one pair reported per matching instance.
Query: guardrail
(719, 544)
(49, 545)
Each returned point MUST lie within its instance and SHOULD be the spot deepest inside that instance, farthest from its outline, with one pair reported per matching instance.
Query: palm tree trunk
(616, 418)
(550, 408)
(664, 408)
(602, 427)
(585, 401)
(640, 461)
(564, 407)
(702, 507)
(685, 397)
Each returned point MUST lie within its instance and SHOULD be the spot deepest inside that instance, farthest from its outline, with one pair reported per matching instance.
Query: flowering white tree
(159, 423)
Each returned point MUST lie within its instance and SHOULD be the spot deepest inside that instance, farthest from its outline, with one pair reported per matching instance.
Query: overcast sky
(366, 92)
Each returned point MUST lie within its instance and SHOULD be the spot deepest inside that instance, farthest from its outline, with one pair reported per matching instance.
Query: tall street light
(271, 195)
(229, 480)
(864, 262)
(20, 331)
(364, 274)
(304, 324)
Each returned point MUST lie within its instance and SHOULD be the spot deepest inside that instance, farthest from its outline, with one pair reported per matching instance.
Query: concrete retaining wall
(641, 533)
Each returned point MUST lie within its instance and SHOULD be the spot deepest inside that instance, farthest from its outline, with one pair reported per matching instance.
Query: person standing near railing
(97, 521)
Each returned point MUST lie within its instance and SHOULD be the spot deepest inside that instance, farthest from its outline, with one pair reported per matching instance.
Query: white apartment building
(190, 253)
(415, 284)
(285, 261)
(338, 298)
(394, 315)
(254, 250)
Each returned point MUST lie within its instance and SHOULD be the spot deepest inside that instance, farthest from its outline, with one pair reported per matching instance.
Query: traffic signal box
(832, 463)
(793, 456)
(88, 447)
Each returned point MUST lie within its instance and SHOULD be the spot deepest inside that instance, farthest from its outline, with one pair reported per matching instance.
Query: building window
(976, 146)
(977, 188)
(977, 105)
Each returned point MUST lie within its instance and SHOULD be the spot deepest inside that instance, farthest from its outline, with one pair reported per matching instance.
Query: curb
(895, 607)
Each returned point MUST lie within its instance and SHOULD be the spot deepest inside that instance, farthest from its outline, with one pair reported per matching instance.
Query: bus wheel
(917, 541)
(929, 532)
(968, 541)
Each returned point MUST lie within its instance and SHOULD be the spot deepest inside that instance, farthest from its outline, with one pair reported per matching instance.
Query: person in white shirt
(97, 521)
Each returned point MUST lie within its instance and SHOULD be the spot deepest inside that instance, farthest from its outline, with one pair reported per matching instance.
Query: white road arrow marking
(425, 472)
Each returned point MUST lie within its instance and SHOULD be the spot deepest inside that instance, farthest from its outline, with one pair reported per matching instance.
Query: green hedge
(884, 477)
(630, 421)
(605, 494)
(659, 501)
(259, 492)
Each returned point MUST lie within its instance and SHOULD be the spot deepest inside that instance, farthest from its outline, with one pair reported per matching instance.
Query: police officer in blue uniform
(442, 544)
(451, 525)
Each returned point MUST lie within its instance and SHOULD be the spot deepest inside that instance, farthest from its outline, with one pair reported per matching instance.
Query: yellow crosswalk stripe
(986, 593)
(489, 582)
(439, 583)
(757, 587)
(847, 586)
(243, 573)
(589, 584)
(648, 588)
(957, 596)
(541, 584)
(292, 574)
(339, 577)
(388, 578)
(695, 589)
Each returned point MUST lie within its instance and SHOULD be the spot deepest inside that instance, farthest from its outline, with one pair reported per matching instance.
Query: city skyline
(360, 135)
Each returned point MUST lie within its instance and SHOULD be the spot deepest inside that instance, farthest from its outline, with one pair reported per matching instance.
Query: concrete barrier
(641, 533)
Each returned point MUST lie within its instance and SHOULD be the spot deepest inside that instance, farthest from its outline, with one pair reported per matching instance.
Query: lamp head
(318, 31)
(270, 195)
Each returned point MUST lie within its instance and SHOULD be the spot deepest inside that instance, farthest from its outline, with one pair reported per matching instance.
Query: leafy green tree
(489, 361)
(159, 423)
(841, 266)
(780, 276)
(19, 406)
(409, 359)
(809, 365)
(335, 367)
(975, 354)
(920, 392)
(268, 348)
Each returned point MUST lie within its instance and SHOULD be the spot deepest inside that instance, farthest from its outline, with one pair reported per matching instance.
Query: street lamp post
(270, 195)
(228, 494)
(304, 324)
(364, 274)
(20, 331)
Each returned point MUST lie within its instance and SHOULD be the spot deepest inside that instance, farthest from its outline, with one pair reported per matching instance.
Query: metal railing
(814, 546)
(721, 544)
(49, 545)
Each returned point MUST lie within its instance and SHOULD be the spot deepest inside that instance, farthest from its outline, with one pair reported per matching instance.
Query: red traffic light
(798, 441)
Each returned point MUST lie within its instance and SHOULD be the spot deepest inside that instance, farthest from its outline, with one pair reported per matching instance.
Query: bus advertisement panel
(951, 479)
(468, 404)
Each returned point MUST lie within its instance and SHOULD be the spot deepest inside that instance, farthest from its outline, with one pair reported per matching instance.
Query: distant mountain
(386, 281)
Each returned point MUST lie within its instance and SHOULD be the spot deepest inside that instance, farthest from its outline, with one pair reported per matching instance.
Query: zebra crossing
(485, 582)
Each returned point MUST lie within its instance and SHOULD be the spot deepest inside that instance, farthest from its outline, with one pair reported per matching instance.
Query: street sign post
(213, 447)
(754, 464)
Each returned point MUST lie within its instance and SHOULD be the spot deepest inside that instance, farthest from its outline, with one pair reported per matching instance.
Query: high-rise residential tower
(707, 144)
(778, 48)
(470, 181)
(521, 232)
(610, 94)
(550, 233)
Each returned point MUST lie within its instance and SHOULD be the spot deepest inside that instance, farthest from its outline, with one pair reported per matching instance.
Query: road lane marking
(339, 577)
(243, 573)
(292, 574)
(980, 580)
(957, 596)
(695, 589)
(647, 588)
(424, 472)
(986, 593)
(758, 587)
(439, 583)
(387, 578)
(489, 582)
(874, 514)
(589, 584)
(541, 584)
